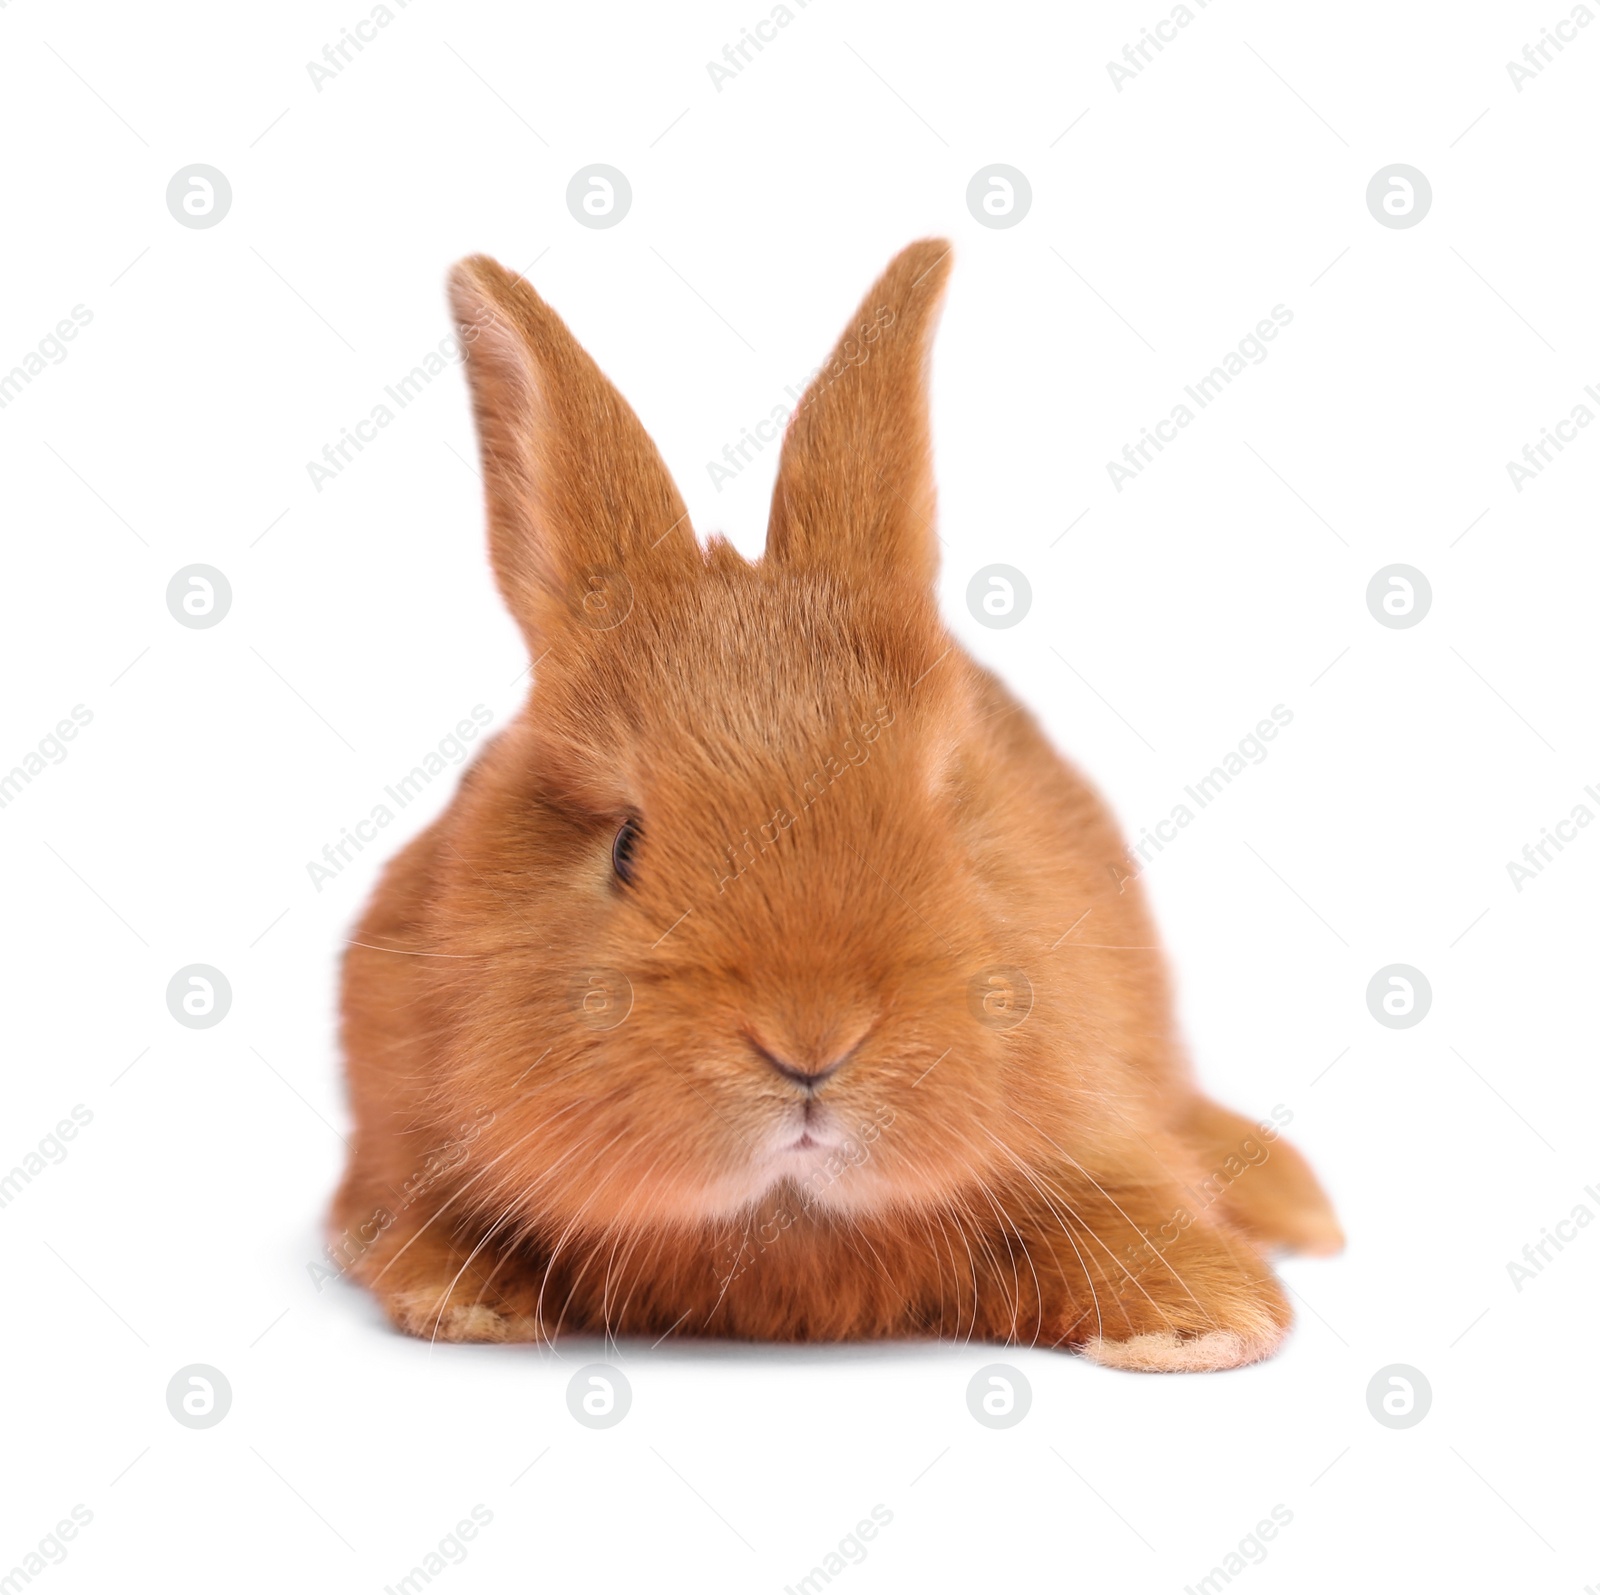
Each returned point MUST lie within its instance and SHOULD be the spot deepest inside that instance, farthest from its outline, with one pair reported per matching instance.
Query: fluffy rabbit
(770, 976)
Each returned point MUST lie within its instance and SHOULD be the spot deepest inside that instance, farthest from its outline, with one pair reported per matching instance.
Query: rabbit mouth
(807, 1131)
(810, 1137)
(816, 1151)
(806, 1141)
(819, 1155)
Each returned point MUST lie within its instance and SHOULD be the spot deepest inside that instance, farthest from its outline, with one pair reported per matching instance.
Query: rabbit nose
(808, 1077)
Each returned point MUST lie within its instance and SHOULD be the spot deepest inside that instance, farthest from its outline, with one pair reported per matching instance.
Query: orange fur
(568, 1103)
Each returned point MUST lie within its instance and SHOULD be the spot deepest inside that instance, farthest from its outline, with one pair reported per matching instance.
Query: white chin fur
(808, 1164)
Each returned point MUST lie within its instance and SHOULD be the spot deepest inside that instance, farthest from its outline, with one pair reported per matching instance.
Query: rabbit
(770, 976)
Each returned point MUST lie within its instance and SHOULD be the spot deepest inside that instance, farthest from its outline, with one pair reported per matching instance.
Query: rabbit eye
(622, 850)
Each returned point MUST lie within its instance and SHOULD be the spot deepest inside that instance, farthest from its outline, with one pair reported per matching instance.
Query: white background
(1229, 176)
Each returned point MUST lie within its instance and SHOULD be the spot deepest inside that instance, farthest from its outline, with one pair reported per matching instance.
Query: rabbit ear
(580, 506)
(854, 495)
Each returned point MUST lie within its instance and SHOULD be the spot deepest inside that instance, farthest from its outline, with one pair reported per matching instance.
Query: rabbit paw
(1211, 1303)
(431, 1315)
(1166, 1351)
(437, 1288)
